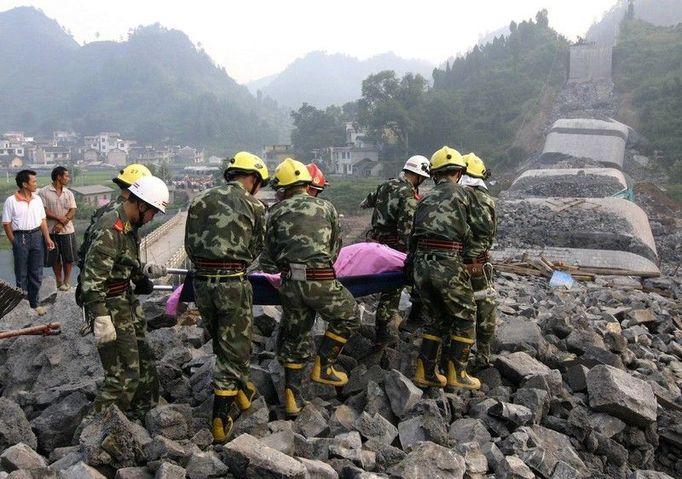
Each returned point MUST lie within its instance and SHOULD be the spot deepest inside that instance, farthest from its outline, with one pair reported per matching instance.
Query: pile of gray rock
(523, 224)
(586, 383)
(573, 186)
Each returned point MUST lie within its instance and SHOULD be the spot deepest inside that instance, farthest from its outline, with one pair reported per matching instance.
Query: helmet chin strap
(256, 184)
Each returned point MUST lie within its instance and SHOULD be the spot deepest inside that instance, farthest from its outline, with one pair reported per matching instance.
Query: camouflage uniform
(394, 204)
(305, 230)
(439, 275)
(226, 224)
(483, 226)
(111, 262)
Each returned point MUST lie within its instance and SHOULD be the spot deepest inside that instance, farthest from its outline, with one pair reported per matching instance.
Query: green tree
(389, 108)
(315, 129)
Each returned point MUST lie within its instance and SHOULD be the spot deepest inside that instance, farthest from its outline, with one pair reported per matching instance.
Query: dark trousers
(28, 263)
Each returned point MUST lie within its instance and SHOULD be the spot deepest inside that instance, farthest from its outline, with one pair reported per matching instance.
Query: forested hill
(498, 90)
(648, 74)
(156, 86)
(655, 12)
(494, 101)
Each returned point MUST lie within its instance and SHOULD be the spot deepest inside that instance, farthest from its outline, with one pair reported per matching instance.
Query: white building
(359, 157)
(107, 141)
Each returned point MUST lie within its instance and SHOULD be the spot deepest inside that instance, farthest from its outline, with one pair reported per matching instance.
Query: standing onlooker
(60, 208)
(23, 219)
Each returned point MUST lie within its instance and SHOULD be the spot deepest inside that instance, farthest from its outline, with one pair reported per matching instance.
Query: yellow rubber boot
(460, 348)
(223, 400)
(246, 396)
(293, 399)
(323, 370)
(427, 374)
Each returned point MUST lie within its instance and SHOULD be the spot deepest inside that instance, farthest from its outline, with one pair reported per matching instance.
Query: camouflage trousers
(443, 285)
(485, 319)
(301, 301)
(226, 309)
(387, 308)
(130, 378)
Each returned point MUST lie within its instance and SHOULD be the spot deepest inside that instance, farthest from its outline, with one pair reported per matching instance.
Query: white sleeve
(42, 209)
(7, 211)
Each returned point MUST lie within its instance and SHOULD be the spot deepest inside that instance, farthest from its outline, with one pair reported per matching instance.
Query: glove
(144, 286)
(104, 330)
(153, 271)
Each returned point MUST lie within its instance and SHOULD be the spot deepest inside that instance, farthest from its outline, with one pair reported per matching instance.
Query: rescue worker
(439, 236)
(394, 203)
(126, 177)
(302, 242)
(476, 256)
(111, 263)
(224, 233)
(319, 182)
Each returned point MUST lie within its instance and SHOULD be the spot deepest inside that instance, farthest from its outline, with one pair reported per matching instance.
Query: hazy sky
(255, 38)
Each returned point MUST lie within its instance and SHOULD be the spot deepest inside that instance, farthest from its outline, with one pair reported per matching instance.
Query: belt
(219, 264)
(391, 242)
(480, 259)
(314, 274)
(26, 232)
(117, 288)
(439, 244)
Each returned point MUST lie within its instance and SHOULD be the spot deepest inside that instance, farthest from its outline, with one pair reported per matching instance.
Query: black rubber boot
(223, 400)
(323, 370)
(427, 374)
(293, 399)
(458, 357)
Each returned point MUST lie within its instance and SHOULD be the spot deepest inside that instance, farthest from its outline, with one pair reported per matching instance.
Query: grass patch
(346, 193)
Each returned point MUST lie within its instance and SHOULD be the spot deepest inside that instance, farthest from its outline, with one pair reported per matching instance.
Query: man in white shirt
(60, 208)
(24, 222)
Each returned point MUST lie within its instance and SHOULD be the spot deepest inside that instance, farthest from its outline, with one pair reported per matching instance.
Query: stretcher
(264, 293)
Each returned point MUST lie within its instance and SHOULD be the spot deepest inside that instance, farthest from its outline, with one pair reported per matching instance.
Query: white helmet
(418, 164)
(151, 190)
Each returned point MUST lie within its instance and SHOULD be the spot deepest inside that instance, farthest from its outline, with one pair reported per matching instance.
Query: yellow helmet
(291, 173)
(445, 159)
(475, 166)
(130, 174)
(245, 162)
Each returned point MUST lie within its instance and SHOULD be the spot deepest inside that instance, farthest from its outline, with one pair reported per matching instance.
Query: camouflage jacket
(113, 256)
(85, 244)
(443, 214)
(225, 223)
(301, 229)
(395, 203)
(482, 221)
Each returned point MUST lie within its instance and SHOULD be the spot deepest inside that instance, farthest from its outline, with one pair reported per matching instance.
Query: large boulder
(56, 424)
(14, 427)
(42, 369)
(248, 457)
(616, 392)
(428, 460)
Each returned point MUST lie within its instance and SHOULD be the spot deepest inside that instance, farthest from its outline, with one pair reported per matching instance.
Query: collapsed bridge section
(609, 233)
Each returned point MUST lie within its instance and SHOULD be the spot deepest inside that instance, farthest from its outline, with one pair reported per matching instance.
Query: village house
(94, 195)
(52, 155)
(117, 157)
(149, 154)
(273, 155)
(358, 157)
(189, 156)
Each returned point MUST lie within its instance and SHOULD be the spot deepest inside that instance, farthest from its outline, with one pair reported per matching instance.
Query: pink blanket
(360, 259)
